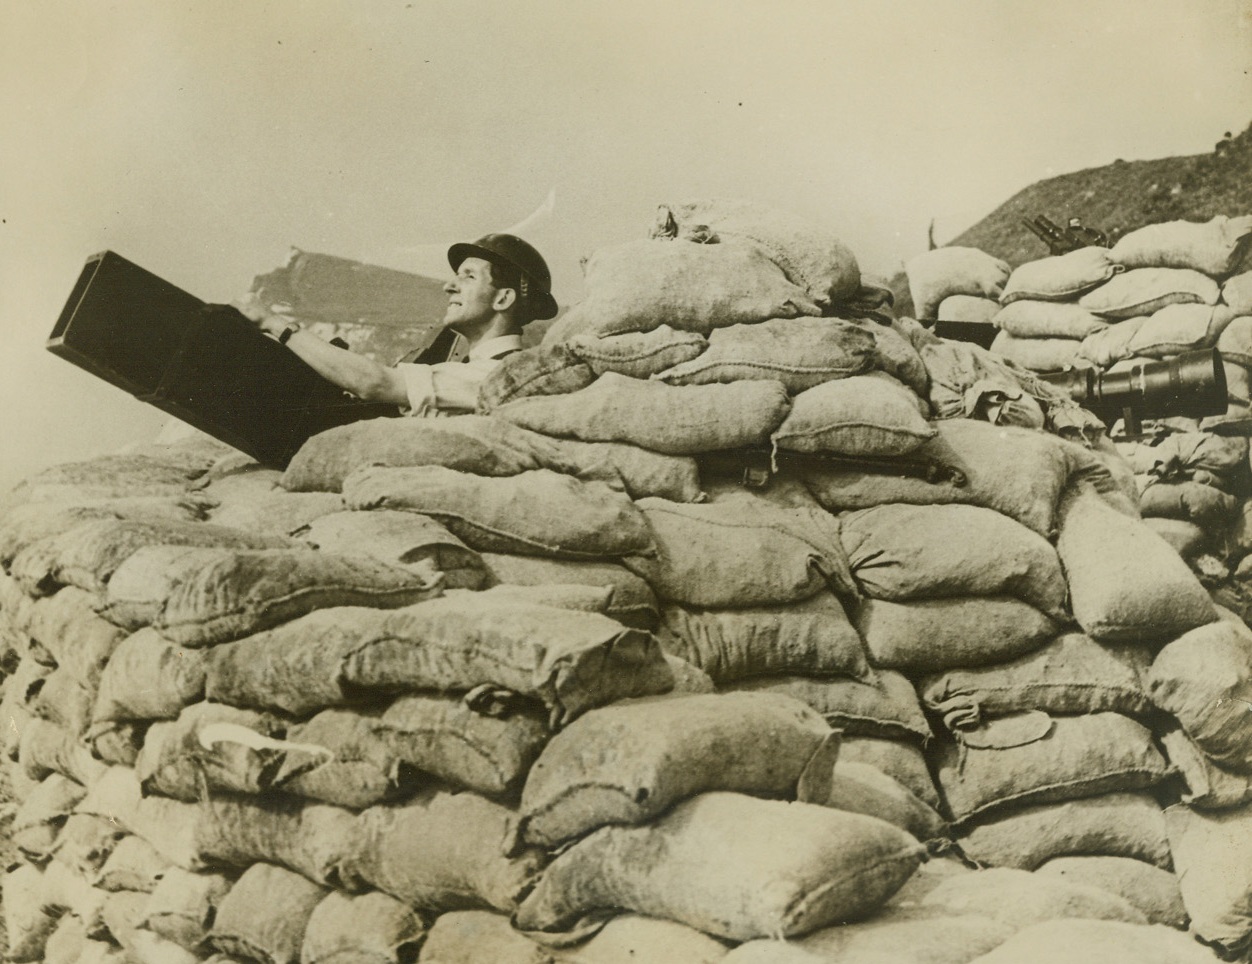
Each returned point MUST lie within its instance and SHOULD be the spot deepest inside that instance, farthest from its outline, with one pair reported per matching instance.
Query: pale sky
(203, 139)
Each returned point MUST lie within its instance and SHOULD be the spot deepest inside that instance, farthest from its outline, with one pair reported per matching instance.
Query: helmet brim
(542, 304)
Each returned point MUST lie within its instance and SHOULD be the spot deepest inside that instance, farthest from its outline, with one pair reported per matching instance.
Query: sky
(204, 140)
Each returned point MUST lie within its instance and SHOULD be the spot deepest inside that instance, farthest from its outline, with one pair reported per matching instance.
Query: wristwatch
(284, 336)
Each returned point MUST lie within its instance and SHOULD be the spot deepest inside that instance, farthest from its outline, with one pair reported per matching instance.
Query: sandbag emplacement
(1125, 581)
(440, 851)
(932, 635)
(734, 556)
(1107, 941)
(674, 419)
(1213, 860)
(799, 352)
(1010, 761)
(811, 638)
(207, 596)
(626, 764)
(801, 867)
(569, 660)
(1153, 890)
(369, 927)
(1114, 825)
(901, 552)
(539, 513)
(1204, 679)
(264, 916)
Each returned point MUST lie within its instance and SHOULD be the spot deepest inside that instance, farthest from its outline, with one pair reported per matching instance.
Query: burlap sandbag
(27, 924)
(689, 286)
(724, 556)
(639, 354)
(1008, 762)
(895, 354)
(861, 416)
(628, 763)
(883, 705)
(1142, 291)
(68, 944)
(1039, 354)
(802, 867)
(14, 707)
(40, 817)
(902, 552)
(1237, 419)
(88, 555)
(538, 370)
(1214, 247)
(123, 916)
(66, 891)
(133, 865)
(633, 603)
(65, 700)
(569, 660)
(1061, 277)
(1180, 328)
(199, 597)
(85, 843)
(1108, 941)
(48, 748)
(1204, 679)
(370, 927)
(808, 254)
(1111, 345)
(441, 851)
(968, 309)
(1237, 292)
(932, 635)
(105, 478)
(1113, 825)
(1153, 890)
(1213, 860)
(1235, 341)
(183, 905)
(399, 538)
(673, 419)
(533, 513)
(863, 788)
(941, 272)
(812, 637)
(1208, 786)
(67, 626)
(264, 916)
(148, 678)
(1125, 582)
(1208, 507)
(274, 511)
(1072, 674)
(799, 352)
(1047, 320)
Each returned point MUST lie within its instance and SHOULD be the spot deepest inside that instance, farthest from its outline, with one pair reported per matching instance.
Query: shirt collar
(495, 347)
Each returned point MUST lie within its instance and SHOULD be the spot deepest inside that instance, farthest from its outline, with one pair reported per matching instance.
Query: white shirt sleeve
(446, 386)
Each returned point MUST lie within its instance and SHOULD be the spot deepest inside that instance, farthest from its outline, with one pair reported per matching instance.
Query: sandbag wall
(538, 683)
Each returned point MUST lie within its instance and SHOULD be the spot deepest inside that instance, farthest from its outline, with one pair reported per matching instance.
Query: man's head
(501, 283)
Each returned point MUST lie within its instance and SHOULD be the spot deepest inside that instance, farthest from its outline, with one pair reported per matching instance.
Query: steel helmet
(513, 251)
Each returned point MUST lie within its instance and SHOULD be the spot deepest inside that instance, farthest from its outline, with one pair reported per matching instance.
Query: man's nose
(451, 287)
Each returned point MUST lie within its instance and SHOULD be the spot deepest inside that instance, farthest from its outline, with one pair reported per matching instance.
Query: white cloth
(452, 387)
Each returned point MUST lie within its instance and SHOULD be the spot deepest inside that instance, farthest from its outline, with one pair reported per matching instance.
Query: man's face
(471, 296)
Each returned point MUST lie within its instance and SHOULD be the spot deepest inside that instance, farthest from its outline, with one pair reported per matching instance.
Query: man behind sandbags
(501, 283)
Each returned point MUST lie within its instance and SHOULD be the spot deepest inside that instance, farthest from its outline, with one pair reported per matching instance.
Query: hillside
(1115, 198)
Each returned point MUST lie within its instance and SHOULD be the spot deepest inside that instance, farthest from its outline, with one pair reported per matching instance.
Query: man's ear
(504, 300)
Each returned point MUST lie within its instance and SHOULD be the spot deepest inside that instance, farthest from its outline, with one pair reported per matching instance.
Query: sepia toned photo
(587, 483)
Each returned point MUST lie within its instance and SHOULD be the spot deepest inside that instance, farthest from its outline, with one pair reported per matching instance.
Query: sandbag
(533, 513)
(399, 539)
(86, 842)
(687, 285)
(1113, 825)
(64, 700)
(183, 905)
(1112, 942)
(861, 416)
(945, 271)
(68, 944)
(1009, 762)
(1153, 890)
(883, 705)
(105, 478)
(801, 353)
(932, 635)
(1212, 859)
(811, 637)
(968, 309)
(638, 354)
(88, 555)
(862, 788)
(28, 923)
(1237, 419)
(356, 929)
(1235, 341)
(79, 640)
(801, 867)
(275, 511)
(1214, 247)
(569, 660)
(134, 865)
(1039, 354)
(148, 678)
(1204, 679)
(808, 254)
(1070, 675)
(206, 596)
(48, 748)
(1061, 277)
(264, 916)
(39, 818)
(551, 369)
(748, 554)
(1180, 328)
(895, 354)
(673, 419)
(1125, 582)
(1237, 292)
(1206, 506)
(903, 552)
(632, 603)
(1111, 345)
(440, 851)
(1143, 291)
(1047, 320)
(1208, 786)
(626, 764)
